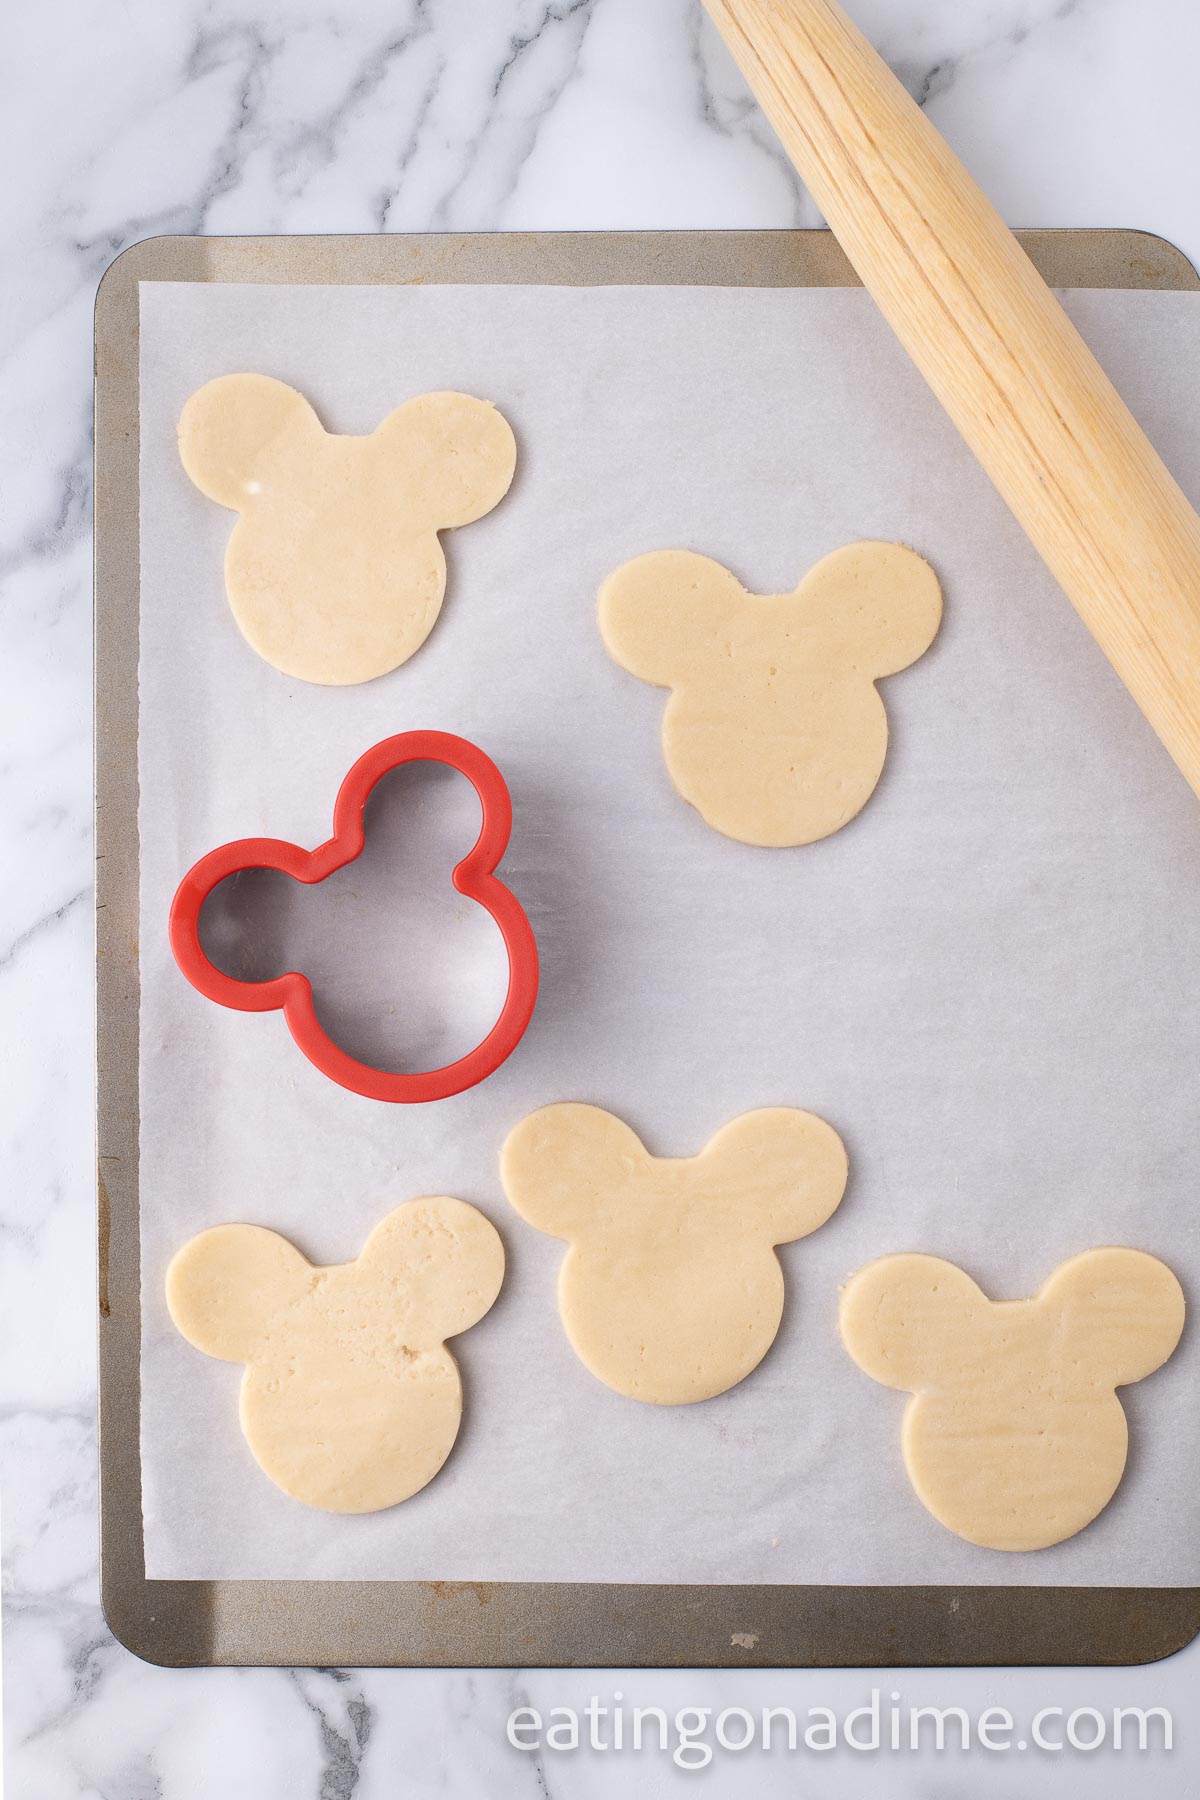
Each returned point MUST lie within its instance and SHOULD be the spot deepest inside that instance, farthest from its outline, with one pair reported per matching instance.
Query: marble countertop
(382, 115)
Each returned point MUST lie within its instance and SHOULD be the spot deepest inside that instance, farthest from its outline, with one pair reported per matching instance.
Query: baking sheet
(986, 982)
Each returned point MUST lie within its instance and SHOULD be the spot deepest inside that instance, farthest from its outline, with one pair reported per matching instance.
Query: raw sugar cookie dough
(1014, 1438)
(671, 1290)
(774, 731)
(334, 571)
(350, 1401)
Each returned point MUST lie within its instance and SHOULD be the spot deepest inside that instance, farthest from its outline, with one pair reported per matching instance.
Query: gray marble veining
(304, 115)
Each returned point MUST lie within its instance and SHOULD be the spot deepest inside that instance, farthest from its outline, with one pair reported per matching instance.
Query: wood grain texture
(995, 346)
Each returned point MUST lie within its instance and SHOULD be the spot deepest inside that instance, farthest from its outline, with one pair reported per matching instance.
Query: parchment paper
(989, 983)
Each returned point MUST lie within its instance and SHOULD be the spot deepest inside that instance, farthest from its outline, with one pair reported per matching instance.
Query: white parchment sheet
(989, 982)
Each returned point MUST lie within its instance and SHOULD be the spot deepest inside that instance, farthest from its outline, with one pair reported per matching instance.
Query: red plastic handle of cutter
(474, 877)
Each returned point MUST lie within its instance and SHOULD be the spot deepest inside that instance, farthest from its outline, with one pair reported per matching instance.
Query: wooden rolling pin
(995, 346)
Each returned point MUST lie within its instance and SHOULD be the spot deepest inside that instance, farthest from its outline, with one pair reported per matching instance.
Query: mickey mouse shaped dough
(671, 1290)
(1014, 1438)
(334, 570)
(350, 1401)
(775, 730)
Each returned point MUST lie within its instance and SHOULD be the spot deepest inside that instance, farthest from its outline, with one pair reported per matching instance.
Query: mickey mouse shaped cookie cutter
(291, 993)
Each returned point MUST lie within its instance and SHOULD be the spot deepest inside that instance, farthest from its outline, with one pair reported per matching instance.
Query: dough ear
(899, 1315)
(784, 1171)
(443, 1263)
(456, 455)
(883, 601)
(226, 1286)
(232, 429)
(563, 1163)
(654, 610)
(1124, 1311)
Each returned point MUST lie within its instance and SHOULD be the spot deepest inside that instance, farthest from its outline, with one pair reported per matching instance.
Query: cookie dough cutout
(334, 571)
(671, 1291)
(350, 1401)
(775, 731)
(1014, 1438)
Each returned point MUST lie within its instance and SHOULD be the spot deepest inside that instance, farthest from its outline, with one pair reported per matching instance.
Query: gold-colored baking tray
(499, 1623)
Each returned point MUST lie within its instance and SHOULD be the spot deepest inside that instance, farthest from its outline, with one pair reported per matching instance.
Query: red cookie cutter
(292, 992)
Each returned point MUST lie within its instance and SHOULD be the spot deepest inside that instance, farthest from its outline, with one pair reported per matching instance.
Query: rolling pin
(1065, 452)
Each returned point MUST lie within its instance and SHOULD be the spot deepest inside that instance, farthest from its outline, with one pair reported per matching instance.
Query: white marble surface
(295, 115)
